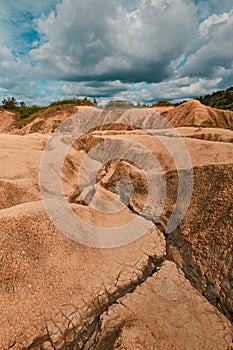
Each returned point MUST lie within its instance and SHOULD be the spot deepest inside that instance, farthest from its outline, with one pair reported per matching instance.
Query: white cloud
(105, 41)
(207, 26)
(173, 89)
(214, 47)
(114, 49)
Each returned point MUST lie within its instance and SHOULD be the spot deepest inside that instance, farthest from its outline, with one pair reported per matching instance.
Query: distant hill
(163, 103)
(123, 104)
(219, 99)
(44, 121)
(193, 113)
(47, 119)
(24, 113)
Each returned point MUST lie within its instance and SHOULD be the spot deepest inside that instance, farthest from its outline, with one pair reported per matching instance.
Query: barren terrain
(164, 290)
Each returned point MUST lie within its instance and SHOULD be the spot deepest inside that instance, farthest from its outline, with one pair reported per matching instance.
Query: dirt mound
(45, 121)
(207, 134)
(59, 294)
(202, 244)
(20, 161)
(57, 287)
(162, 109)
(6, 121)
(65, 294)
(130, 323)
(49, 120)
(193, 113)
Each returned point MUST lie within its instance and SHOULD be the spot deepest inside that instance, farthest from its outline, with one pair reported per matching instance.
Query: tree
(22, 104)
(119, 104)
(95, 102)
(9, 103)
(163, 103)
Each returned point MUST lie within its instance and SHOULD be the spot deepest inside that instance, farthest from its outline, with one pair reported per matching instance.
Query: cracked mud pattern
(163, 292)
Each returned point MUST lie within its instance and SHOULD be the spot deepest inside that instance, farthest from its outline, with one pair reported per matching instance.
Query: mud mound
(49, 120)
(15, 192)
(211, 206)
(202, 245)
(6, 121)
(63, 299)
(140, 143)
(57, 287)
(46, 121)
(59, 294)
(193, 113)
(207, 134)
(130, 324)
(20, 162)
(162, 109)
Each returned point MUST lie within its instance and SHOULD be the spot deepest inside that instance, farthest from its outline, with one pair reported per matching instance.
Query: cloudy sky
(138, 50)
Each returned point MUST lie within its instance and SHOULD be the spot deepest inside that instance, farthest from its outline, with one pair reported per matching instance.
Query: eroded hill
(193, 113)
(165, 290)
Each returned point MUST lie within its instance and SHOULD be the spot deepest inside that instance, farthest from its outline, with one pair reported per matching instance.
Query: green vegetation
(10, 103)
(74, 101)
(119, 104)
(25, 114)
(180, 103)
(219, 99)
(124, 104)
(163, 103)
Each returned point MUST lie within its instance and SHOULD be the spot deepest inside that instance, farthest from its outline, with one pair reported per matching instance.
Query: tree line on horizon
(23, 111)
(222, 99)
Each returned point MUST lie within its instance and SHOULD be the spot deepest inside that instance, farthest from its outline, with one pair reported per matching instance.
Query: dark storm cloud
(135, 49)
(105, 41)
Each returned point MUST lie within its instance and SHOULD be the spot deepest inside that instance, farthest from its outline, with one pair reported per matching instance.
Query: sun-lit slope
(58, 294)
(20, 160)
(48, 120)
(44, 121)
(193, 113)
(6, 120)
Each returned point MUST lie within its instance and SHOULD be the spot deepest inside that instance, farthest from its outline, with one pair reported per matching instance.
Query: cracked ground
(161, 292)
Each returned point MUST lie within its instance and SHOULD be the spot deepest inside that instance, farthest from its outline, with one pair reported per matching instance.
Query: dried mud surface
(162, 291)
